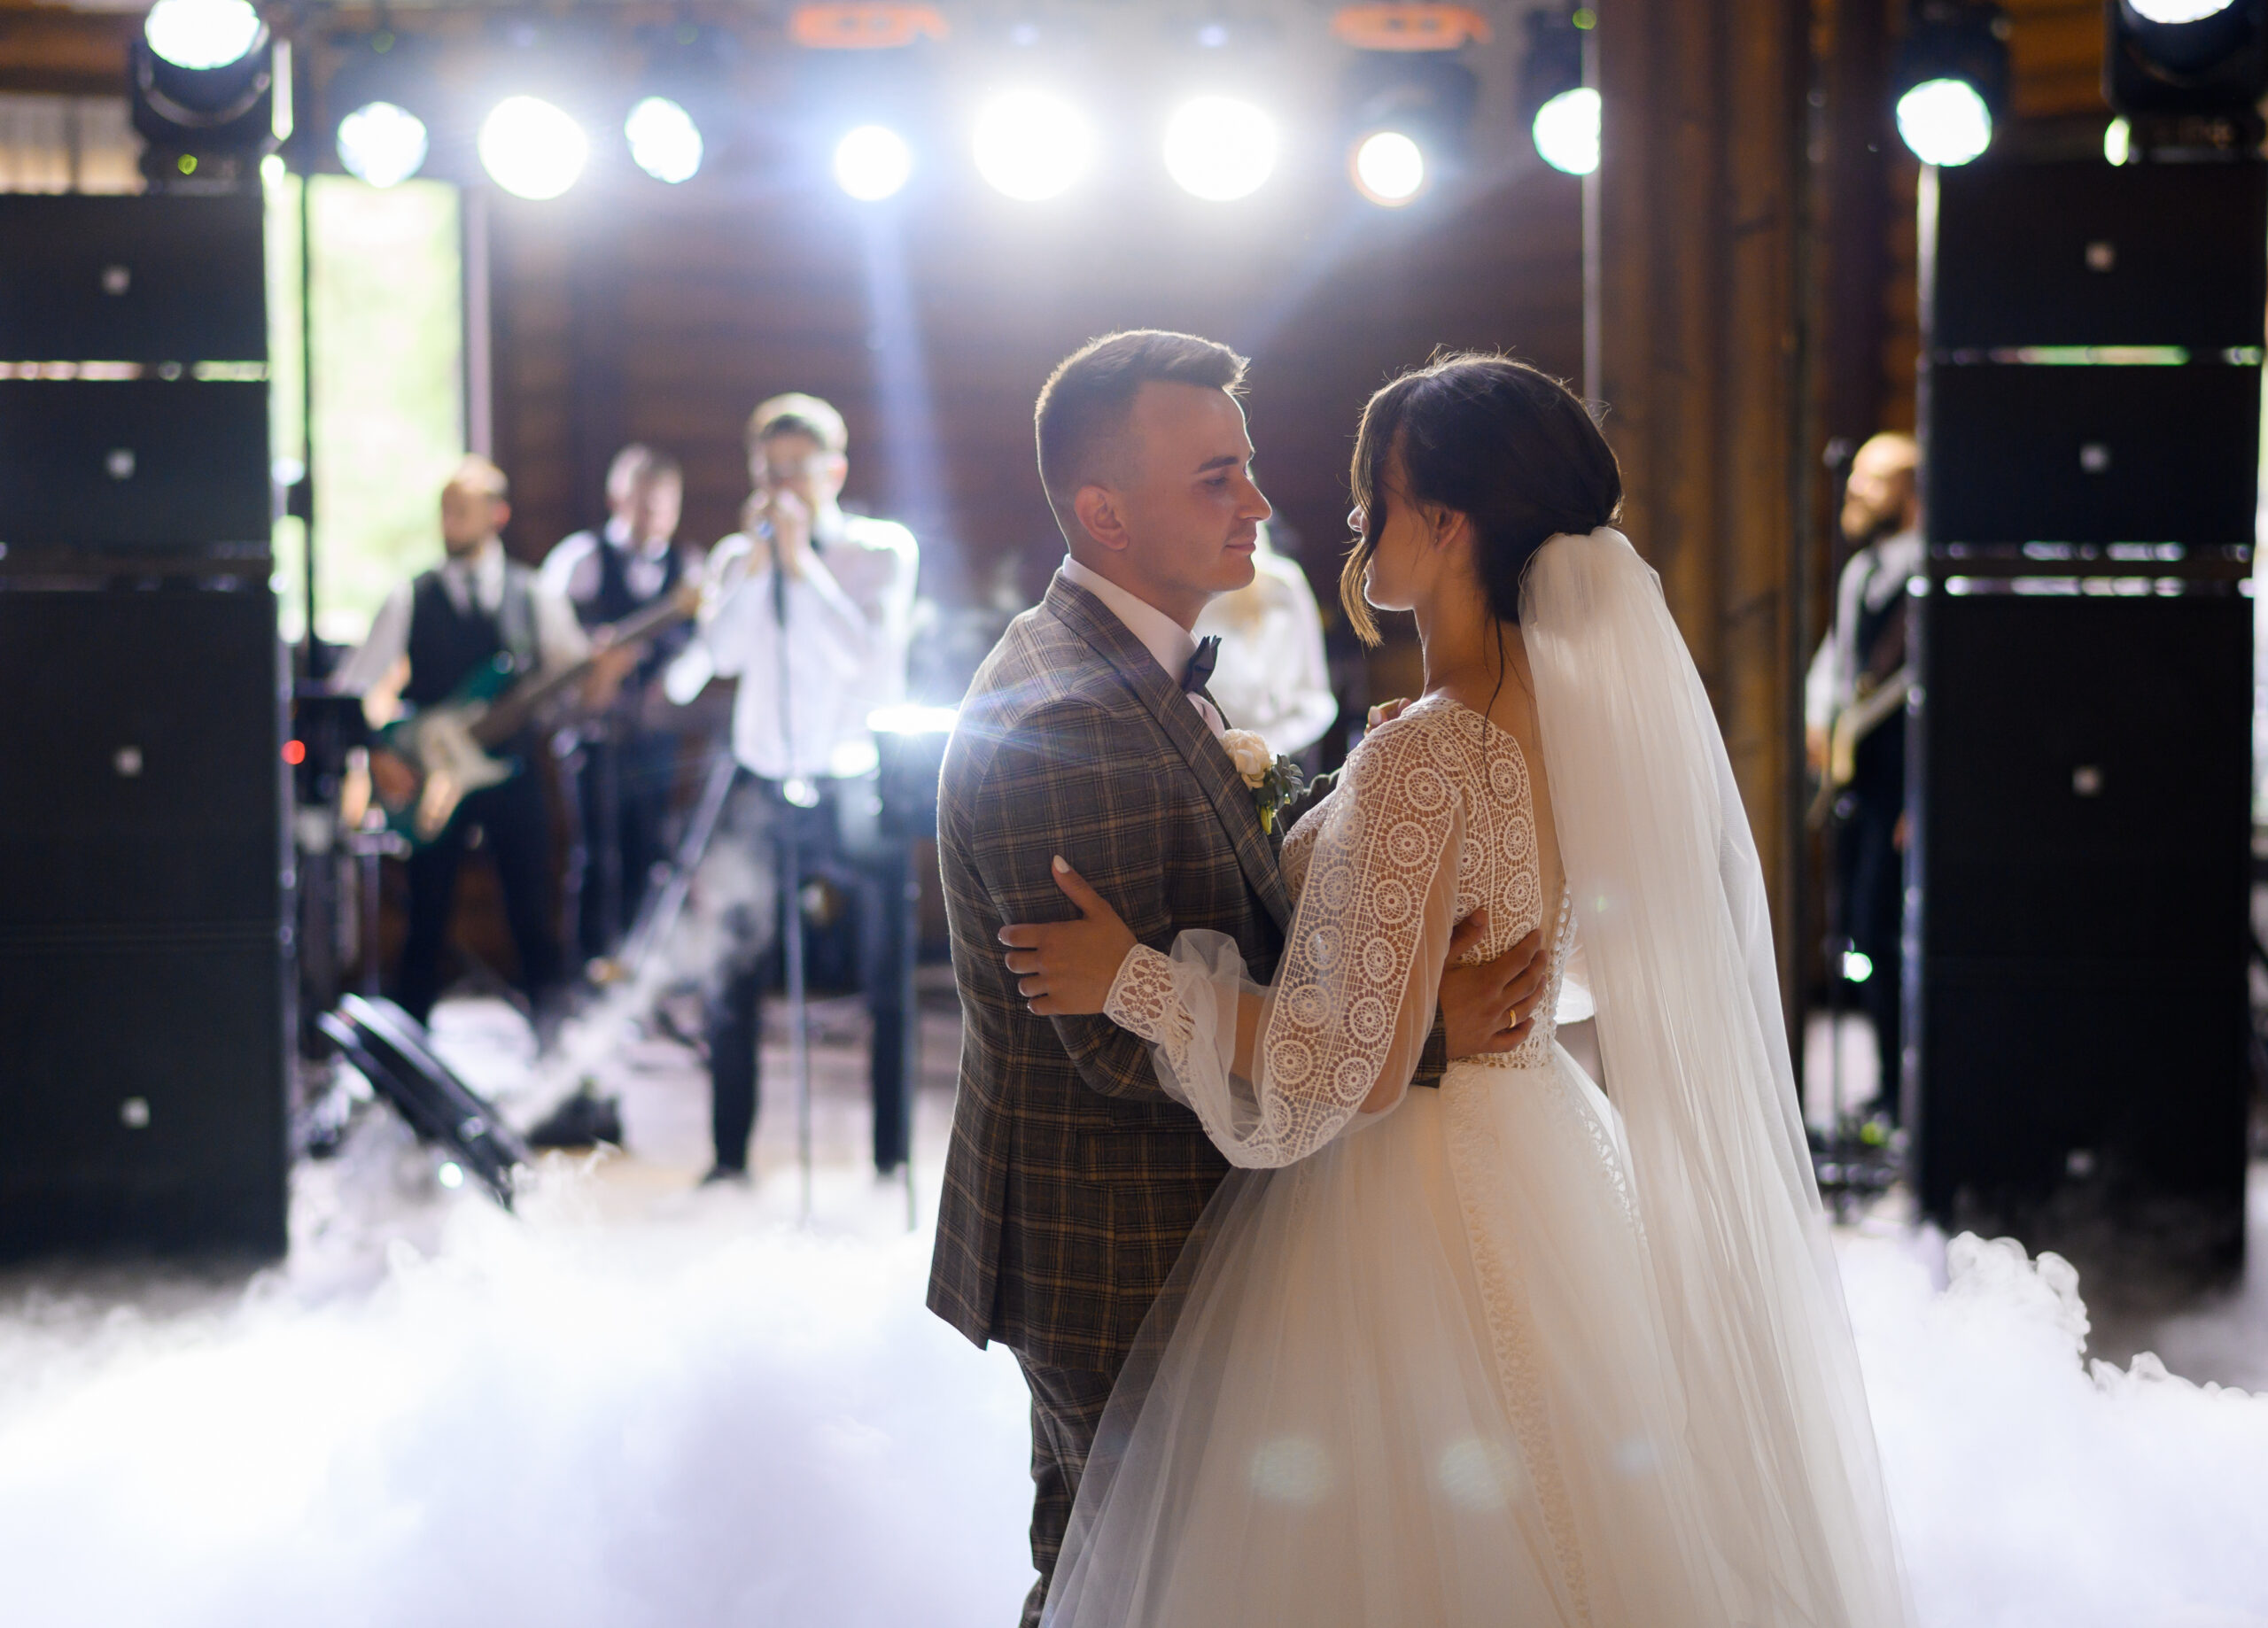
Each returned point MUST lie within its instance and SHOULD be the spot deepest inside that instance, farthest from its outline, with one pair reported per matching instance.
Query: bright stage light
(531, 148)
(1389, 169)
(1944, 121)
(663, 140)
(2179, 11)
(1219, 149)
(1566, 131)
(201, 33)
(382, 144)
(1031, 146)
(872, 162)
(2117, 142)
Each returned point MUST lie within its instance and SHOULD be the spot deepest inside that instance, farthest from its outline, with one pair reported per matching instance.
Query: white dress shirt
(848, 619)
(1875, 575)
(1271, 676)
(1169, 644)
(572, 569)
(477, 579)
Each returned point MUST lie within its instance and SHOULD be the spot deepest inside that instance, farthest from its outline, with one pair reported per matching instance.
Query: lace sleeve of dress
(1355, 988)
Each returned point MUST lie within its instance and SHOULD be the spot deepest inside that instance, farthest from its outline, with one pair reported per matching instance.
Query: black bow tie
(1199, 673)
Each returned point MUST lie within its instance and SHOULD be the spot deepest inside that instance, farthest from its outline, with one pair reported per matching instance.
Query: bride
(1509, 1351)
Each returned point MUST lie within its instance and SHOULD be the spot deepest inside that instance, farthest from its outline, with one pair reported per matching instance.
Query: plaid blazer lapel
(1231, 798)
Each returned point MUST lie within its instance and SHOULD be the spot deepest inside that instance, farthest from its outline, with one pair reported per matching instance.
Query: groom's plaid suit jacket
(1073, 1180)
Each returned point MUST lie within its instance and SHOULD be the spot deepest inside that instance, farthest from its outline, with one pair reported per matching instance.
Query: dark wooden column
(1699, 197)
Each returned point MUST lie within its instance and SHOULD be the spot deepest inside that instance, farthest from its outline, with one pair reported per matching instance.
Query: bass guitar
(452, 747)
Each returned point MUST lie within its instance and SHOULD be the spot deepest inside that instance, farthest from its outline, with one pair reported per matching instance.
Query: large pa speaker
(148, 280)
(2079, 758)
(2084, 865)
(156, 466)
(145, 951)
(2080, 254)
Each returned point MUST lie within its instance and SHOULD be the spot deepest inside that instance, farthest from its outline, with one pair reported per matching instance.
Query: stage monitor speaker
(392, 1051)
(163, 467)
(2089, 254)
(129, 279)
(144, 951)
(2082, 861)
(2093, 454)
(144, 779)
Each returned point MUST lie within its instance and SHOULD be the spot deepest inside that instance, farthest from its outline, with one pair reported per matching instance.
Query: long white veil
(1669, 897)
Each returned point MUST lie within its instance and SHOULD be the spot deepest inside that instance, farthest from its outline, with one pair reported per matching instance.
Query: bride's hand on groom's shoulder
(1066, 968)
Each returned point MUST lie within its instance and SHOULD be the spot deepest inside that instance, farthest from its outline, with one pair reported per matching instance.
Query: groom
(1073, 1180)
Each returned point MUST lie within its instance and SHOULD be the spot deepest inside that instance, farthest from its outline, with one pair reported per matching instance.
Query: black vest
(446, 645)
(614, 600)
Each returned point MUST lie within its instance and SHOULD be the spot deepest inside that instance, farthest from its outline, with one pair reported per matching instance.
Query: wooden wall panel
(719, 302)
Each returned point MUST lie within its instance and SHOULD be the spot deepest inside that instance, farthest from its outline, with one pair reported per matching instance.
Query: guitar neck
(510, 712)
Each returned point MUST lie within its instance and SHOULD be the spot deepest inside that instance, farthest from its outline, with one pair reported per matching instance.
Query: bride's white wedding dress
(1503, 1353)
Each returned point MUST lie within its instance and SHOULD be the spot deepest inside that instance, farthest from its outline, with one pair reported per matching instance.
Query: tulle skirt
(1420, 1378)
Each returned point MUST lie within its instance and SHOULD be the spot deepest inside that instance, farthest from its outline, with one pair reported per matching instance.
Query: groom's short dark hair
(1084, 403)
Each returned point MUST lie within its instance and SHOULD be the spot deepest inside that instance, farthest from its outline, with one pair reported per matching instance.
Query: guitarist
(628, 761)
(431, 634)
(1863, 661)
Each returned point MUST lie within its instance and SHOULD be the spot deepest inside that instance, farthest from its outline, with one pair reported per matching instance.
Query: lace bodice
(1499, 863)
(1434, 818)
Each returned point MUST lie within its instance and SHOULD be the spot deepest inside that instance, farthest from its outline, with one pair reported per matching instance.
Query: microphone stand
(791, 884)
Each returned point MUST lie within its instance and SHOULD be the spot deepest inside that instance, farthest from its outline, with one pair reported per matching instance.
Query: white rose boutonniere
(1273, 781)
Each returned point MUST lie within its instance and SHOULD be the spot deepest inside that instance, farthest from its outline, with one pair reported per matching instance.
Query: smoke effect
(437, 1414)
(2033, 1487)
(730, 916)
(683, 1421)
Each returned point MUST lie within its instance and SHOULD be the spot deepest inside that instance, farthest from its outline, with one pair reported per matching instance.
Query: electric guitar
(451, 747)
(1870, 712)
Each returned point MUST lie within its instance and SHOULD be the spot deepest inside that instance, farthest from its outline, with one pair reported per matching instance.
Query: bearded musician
(433, 634)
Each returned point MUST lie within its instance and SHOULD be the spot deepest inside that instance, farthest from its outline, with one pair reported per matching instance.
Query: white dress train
(1436, 1366)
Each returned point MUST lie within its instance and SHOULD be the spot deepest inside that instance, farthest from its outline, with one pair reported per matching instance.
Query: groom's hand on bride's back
(1490, 1005)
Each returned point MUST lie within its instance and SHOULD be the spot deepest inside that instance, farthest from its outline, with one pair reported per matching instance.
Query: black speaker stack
(2078, 865)
(145, 869)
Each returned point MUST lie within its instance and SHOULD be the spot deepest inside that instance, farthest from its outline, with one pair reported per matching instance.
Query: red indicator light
(295, 752)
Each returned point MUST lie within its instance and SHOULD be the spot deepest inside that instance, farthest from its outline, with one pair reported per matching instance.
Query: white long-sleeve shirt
(1271, 676)
(1875, 576)
(848, 619)
(478, 579)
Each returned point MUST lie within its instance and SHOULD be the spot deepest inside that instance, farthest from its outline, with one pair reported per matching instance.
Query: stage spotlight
(1032, 145)
(872, 163)
(382, 144)
(2179, 11)
(1389, 169)
(531, 148)
(210, 95)
(1219, 149)
(201, 34)
(1563, 113)
(2188, 75)
(1566, 131)
(2117, 142)
(663, 140)
(1407, 117)
(1944, 121)
(1951, 79)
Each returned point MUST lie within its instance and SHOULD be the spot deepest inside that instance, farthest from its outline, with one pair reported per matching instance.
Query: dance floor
(635, 1403)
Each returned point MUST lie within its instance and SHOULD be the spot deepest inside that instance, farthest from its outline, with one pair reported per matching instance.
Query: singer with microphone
(810, 610)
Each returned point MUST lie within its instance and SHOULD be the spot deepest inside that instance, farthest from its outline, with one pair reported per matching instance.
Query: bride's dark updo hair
(1504, 444)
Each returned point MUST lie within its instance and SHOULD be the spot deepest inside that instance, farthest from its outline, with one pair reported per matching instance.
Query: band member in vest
(628, 767)
(1854, 717)
(810, 608)
(431, 634)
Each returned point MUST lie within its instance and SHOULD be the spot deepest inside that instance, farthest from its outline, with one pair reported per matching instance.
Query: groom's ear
(1097, 507)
